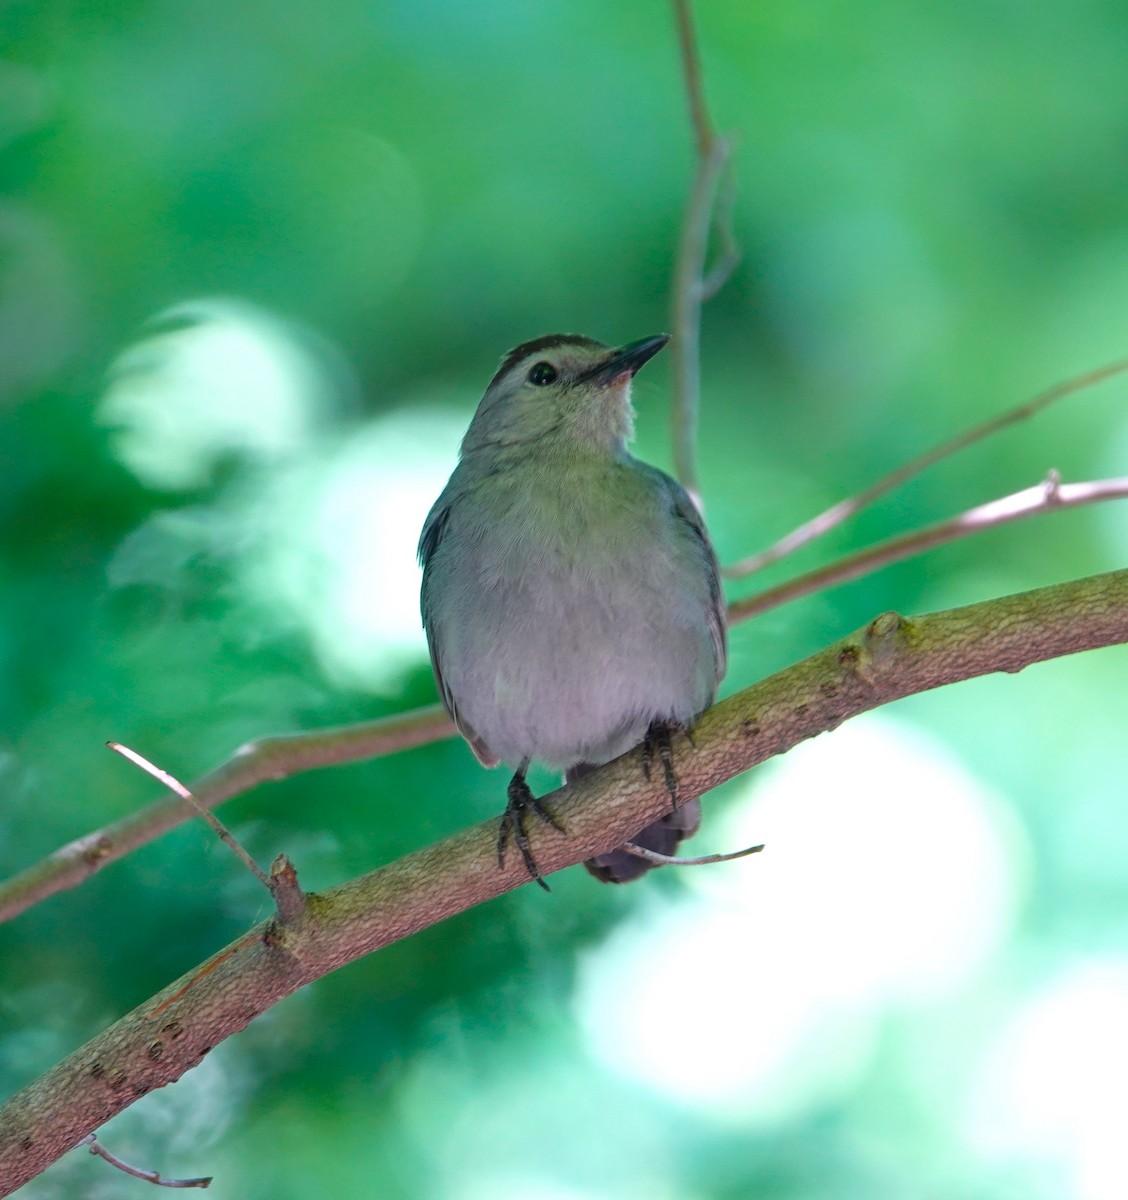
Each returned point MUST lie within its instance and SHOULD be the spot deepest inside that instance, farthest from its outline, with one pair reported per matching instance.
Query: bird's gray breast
(567, 612)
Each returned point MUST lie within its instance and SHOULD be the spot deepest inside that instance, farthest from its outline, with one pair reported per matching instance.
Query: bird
(571, 596)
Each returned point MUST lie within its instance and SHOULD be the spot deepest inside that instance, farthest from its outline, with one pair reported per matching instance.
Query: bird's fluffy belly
(563, 672)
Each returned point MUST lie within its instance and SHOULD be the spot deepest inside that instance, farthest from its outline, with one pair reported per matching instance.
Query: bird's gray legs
(659, 741)
(522, 801)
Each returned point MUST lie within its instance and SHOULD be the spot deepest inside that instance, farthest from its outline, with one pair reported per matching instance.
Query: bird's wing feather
(687, 512)
(429, 539)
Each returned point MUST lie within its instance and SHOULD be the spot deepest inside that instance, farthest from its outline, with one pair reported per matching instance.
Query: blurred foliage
(256, 263)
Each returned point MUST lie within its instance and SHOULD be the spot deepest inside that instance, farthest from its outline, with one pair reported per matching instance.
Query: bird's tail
(663, 836)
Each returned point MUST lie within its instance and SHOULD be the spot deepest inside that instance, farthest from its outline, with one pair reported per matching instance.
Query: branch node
(92, 849)
(885, 635)
(848, 658)
(289, 898)
(881, 639)
(885, 626)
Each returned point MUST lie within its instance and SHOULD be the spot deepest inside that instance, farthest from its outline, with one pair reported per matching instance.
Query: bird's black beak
(627, 360)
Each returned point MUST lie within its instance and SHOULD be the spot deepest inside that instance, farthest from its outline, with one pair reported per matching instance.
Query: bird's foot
(513, 821)
(659, 741)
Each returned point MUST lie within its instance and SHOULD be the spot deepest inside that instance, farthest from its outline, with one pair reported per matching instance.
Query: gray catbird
(571, 596)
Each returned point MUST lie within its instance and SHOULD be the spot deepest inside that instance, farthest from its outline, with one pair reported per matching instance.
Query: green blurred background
(257, 261)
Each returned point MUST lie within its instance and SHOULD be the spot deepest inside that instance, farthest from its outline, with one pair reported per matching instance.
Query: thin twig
(692, 284)
(679, 860)
(265, 759)
(96, 1147)
(1047, 496)
(691, 74)
(845, 509)
(174, 784)
(728, 257)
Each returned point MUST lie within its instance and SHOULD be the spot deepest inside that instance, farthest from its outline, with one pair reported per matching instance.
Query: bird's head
(562, 387)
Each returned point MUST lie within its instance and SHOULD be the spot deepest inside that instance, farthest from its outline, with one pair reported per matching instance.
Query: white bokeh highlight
(1054, 1090)
(890, 876)
(338, 542)
(219, 378)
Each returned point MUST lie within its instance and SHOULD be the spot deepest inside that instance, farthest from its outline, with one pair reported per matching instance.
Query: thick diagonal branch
(889, 658)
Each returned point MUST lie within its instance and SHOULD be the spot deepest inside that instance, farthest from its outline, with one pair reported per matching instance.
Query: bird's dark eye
(542, 373)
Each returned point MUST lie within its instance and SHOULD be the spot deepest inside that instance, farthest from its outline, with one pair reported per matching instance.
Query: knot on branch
(881, 641)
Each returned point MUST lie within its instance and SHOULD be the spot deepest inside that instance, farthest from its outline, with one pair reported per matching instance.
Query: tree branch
(1041, 498)
(841, 512)
(257, 762)
(278, 757)
(887, 659)
(691, 286)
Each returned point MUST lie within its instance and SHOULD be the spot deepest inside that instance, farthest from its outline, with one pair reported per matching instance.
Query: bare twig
(96, 1147)
(681, 860)
(173, 784)
(692, 286)
(889, 658)
(845, 509)
(728, 256)
(282, 883)
(267, 758)
(691, 74)
(1043, 497)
